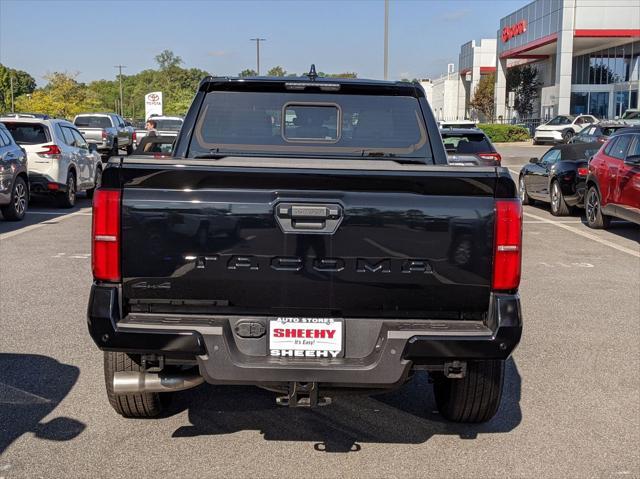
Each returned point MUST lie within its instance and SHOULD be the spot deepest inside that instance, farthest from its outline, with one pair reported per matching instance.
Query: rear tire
(558, 205)
(129, 150)
(129, 405)
(97, 183)
(524, 196)
(114, 149)
(567, 135)
(593, 210)
(68, 198)
(474, 398)
(18, 203)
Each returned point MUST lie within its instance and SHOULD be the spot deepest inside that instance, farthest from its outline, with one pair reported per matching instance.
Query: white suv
(61, 163)
(562, 128)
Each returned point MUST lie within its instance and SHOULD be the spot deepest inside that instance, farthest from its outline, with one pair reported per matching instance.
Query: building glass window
(599, 104)
(579, 103)
(613, 65)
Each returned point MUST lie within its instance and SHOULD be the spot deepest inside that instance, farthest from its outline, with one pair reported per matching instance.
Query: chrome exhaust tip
(132, 382)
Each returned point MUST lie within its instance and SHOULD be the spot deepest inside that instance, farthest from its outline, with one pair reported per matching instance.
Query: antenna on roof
(312, 73)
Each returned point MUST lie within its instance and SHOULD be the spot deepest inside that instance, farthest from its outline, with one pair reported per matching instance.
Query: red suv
(613, 183)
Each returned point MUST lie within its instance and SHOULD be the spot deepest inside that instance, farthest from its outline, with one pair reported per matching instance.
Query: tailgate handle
(308, 218)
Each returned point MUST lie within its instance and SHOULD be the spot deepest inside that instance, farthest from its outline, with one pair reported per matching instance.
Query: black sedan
(558, 177)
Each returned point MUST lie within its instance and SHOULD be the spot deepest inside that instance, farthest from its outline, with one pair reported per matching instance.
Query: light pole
(386, 39)
(11, 82)
(120, 67)
(258, 40)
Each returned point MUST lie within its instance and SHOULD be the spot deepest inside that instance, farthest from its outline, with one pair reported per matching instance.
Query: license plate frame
(305, 345)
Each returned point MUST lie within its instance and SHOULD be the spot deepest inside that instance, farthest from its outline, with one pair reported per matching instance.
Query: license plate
(306, 337)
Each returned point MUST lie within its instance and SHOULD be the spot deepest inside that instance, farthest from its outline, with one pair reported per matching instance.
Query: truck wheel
(68, 198)
(474, 398)
(593, 210)
(524, 196)
(130, 405)
(114, 149)
(18, 202)
(97, 183)
(558, 205)
(129, 150)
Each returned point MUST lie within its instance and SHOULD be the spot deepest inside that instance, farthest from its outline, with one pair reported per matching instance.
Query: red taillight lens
(508, 245)
(50, 150)
(105, 259)
(104, 134)
(134, 136)
(491, 156)
(583, 171)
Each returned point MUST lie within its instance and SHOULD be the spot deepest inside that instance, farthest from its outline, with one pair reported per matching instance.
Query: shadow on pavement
(405, 416)
(43, 210)
(31, 387)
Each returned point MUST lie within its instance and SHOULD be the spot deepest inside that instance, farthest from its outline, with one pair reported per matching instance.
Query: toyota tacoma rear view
(308, 237)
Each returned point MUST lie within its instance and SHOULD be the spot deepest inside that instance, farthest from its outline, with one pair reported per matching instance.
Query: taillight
(104, 134)
(50, 150)
(134, 136)
(491, 156)
(583, 171)
(508, 245)
(105, 259)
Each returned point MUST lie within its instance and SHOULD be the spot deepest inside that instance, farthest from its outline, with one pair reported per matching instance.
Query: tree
(23, 83)
(248, 73)
(483, 100)
(167, 59)
(62, 97)
(343, 75)
(277, 71)
(523, 81)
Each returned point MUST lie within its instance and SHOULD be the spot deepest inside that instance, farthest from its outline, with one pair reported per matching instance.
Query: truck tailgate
(286, 241)
(91, 134)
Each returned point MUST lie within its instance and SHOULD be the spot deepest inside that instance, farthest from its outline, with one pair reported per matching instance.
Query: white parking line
(26, 229)
(52, 213)
(584, 234)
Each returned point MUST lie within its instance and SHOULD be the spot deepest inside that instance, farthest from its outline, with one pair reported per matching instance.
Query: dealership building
(586, 53)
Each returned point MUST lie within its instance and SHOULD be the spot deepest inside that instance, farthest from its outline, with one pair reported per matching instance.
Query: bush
(499, 133)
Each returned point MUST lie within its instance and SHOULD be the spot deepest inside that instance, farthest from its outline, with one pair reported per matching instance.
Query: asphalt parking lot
(571, 406)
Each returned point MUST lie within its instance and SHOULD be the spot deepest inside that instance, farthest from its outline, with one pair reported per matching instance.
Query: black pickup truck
(308, 237)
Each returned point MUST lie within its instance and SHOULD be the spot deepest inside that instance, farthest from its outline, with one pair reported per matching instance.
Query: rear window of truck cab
(93, 122)
(310, 124)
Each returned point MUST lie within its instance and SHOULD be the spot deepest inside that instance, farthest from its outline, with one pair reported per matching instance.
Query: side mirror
(534, 160)
(633, 160)
(92, 147)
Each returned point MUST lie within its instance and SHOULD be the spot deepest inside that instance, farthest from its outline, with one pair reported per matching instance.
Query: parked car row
(44, 157)
(582, 128)
(604, 179)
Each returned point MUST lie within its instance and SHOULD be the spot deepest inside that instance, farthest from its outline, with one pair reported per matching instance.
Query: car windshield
(171, 125)
(93, 122)
(294, 124)
(28, 133)
(561, 120)
(466, 143)
(631, 115)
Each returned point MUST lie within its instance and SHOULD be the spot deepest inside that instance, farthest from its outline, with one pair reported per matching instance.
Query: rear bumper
(378, 353)
(41, 184)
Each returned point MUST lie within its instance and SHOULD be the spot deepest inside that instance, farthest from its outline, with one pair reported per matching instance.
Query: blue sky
(90, 37)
